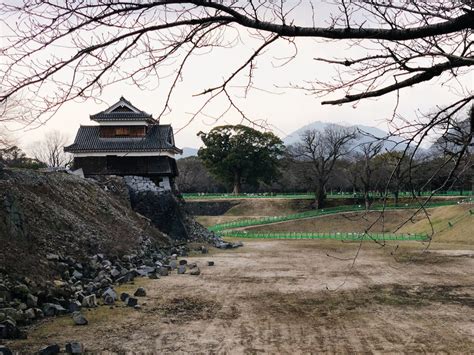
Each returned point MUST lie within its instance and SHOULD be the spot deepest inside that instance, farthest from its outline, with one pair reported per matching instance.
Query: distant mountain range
(367, 134)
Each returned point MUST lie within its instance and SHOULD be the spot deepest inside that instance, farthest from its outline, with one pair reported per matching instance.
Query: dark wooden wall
(115, 165)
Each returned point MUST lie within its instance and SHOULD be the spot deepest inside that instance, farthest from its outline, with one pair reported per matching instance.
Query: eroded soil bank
(291, 297)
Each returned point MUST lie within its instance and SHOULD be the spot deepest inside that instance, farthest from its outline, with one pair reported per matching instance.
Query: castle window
(122, 131)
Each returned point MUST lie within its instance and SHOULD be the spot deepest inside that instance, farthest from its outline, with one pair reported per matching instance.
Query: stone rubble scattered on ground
(80, 284)
(86, 283)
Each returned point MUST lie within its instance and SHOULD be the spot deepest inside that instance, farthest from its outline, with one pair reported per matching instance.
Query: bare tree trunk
(320, 197)
(237, 184)
(395, 195)
(366, 199)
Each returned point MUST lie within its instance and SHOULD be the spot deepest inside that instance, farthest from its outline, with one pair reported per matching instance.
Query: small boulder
(74, 306)
(50, 350)
(153, 276)
(30, 313)
(124, 296)
(89, 301)
(52, 309)
(31, 300)
(140, 292)
(52, 257)
(109, 300)
(78, 275)
(9, 330)
(183, 262)
(181, 269)
(131, 302)
(109, 296)
(164, 271)
(74, 348)
(210, 263)
(79, 318)
(173, 264)
(5, 350)
(115, 273)
(196, 271)
(21, 290)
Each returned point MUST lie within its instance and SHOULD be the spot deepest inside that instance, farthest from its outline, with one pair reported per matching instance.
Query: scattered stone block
(109, 296)
(195, 272)
(30, 313)
(31, 300)
(50, 350)
(164, 271)
(74, 348)
(181, 269)
(173, 264)
(210, 263)
(52, 309)
(74, 306)
(140, 292)
(131, 302)
(89, 301)
(4, 350)
(153, 276)
(52, 257)
(78, 275)
(79, 318)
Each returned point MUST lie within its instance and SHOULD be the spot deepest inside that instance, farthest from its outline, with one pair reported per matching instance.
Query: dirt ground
(291, 297)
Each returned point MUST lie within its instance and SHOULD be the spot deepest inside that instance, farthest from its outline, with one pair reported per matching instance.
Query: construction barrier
(316, 213)
(309, 195)
(335, 236)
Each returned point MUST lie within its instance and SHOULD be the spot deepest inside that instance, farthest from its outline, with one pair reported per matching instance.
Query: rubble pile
(79, 284)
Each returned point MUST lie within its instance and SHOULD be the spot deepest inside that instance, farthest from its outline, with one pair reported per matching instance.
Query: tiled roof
(158, 138)
(115, 114)
(121, 116)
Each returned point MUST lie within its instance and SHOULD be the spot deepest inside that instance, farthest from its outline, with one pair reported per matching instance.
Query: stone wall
(144, 184)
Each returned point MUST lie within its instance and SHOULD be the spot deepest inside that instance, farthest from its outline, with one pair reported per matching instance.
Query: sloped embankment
(43, 213)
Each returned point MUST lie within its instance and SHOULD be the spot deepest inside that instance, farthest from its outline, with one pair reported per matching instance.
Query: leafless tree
(407, 43)
(321, 149)
(456, 144)
(365, 162)
(58, 51)
(6, 140)
(193, 177)
(51, 150)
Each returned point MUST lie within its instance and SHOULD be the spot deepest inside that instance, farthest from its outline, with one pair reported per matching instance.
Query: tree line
(336, 159)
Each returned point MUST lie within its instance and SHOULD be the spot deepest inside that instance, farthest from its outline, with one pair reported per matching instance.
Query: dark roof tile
(159, 137)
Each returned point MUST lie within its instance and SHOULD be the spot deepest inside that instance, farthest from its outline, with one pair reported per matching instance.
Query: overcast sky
(286, 110)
